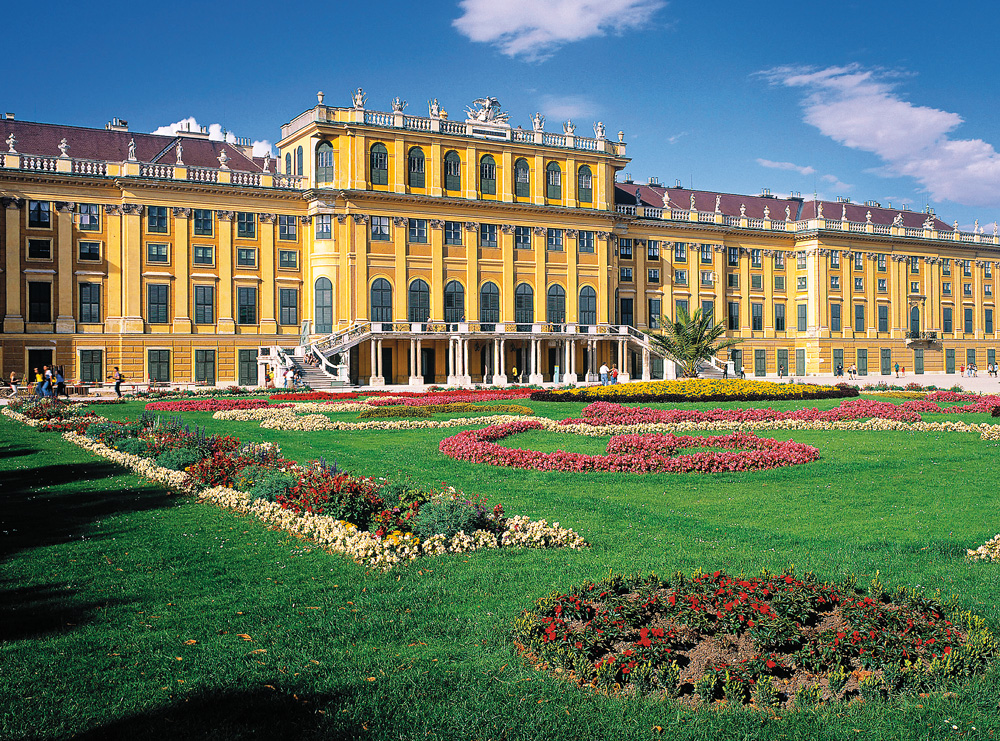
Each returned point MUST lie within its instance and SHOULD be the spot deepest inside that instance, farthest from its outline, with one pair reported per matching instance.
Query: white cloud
(860, 109)
(676, 137)
(801, 170)
(561, 107)
(836, 184)
(535, 29)
(215, 133)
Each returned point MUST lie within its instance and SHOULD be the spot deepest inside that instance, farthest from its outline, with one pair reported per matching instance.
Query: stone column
(466, 376)
(623, 374)
(377, 378)
(571, 374)
(646, 369)
(501, 377)
(374, 364)
(535, 377)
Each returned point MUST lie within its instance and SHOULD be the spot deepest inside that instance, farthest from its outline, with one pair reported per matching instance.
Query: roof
(43, 139)
(729, 204)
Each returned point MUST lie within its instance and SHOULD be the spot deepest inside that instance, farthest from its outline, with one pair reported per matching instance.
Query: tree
(690, 339)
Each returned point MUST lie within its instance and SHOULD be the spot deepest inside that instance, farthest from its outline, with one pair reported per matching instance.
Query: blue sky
(889, 101)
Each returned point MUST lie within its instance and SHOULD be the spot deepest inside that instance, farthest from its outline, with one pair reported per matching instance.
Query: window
(489, 302)
(946, 266)
(708, 310)
(204, 222)
(324, 162)
(156, 219)
(487, 235)
(946, 321)
(835, 317)
(968, 321)
(246, 305)
(454, 302)
(158, 303)
(779, 283)
(288, 259)
(733, 316)
(415, 163)
(39, 249)
(680, 252)
(91, 366)
(524, 304)
(680, 277)
(452, 171)
(553, 181)
(90, 303)
(988, 289)
(288, 228)
(246, 257)
(381, 297)
(681, 305)
(859, 317)
(757, 317)
(288, 164)
(453, 232)
(779, 317)
(625, 249)
(801, 317)
(588, 307)
(801, 283)
(652, 249)
(298, 160)
(39, 302)
(584, 241)
(625, 275)
(914, 264)
(834, 282)
(706, 254)
(988, 325)
(323, 308)
(835, 259)
(90, 217)
(757, 282)
(204, 304)
(39, 215)
(988, 270)
(522, 179)
(756, 258)
(204, 367)
(914, 286)
(946, 287)
(159, 253)
(555, 305)
(883, 318)
(585, 185)
(554, 240)
(380, 228)
(967, 268)
(733, 255)
(419, 303)
(416, 231)
(324, 226)
(488, 176)
(158, 364)
(880, 262)
(288, 306)
(204, 254)
(859, 261)
(800, 261)
(859, 284)
(733, 280)
(379, 164)
(654, 312)
(706, 278)
(882, 285)
(779, 261)
(653, 275)
(246, 225)
(966, 289)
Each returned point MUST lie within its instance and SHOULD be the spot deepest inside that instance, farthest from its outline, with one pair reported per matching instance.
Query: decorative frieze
(539, 231)
(471, 226)
(12, 203)
(436, 223)
(267, 218)
(112, 209)
(134, 209)
(400, 221)
(360, 218)
(66, 207)
(506, 228)
(226, 215)
(182, 213)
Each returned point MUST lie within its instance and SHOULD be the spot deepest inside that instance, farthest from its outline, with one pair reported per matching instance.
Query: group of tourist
(972, 371)
(608, 375)
(288, 378)
(50, 383)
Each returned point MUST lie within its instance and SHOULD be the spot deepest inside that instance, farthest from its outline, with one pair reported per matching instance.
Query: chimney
(116, 124)
(655, 181)
(245, 146)
(9, 116)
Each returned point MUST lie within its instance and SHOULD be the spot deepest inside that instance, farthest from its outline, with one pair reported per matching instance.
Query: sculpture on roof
(398, 104)
(599, 130)
(223, 159)
(692, 203)
(868, 217)
(63, 147)
(898, 221)
(267, 161)
(743, 210)
(718, 204)
(621, 137)
(929, 222)
(955, 225)
(638, 198)
(433, 108)
(487, 110)
(975, 229)
(11, 141)
(819, 211)
(767, 212)
(788, 213)
(358, 98)
(843, 213)
(569, 127)
(994, 228)
(131, 150)
(180, 153)
(537, 121)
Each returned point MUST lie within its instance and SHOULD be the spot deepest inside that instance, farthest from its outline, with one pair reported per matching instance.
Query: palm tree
(690, 339)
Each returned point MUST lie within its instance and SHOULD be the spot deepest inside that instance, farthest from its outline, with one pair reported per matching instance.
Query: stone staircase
(316, 379)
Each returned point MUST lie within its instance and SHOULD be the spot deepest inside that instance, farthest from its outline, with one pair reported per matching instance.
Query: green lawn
(126, 610)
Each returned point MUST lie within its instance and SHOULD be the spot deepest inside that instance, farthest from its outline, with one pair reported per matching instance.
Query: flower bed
(988, 551)
(209, 405)
(315, 396)
(771, 639)
(427, 410)
(631, 453)
(698, 389)
(419, 398)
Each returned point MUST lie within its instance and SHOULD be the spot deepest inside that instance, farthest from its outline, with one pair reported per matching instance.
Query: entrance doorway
(387, 365)
(427, 364)
(38, 359)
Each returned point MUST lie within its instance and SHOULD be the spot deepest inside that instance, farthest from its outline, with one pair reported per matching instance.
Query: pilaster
(131, 267)
(225, 323)
(181, 256)
(13, 321)
(267, 321)
(65, 286)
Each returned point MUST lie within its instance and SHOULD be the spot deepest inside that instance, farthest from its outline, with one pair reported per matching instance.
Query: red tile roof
(112, 146)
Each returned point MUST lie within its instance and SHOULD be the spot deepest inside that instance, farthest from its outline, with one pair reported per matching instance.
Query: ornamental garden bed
(767, 640)
(697, 389)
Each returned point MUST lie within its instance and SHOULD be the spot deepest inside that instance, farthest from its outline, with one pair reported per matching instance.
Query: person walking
(781, 371)
(60, 383)
(46, 381)
(513, 373)
(897, 370)
(13, 385)
(743, 371)
(117, 377)
(603, 372)
(614, 374)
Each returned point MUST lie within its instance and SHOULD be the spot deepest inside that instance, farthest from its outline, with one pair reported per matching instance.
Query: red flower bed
(444, 397)
(631, 453)
(315, 396)
(208, 405)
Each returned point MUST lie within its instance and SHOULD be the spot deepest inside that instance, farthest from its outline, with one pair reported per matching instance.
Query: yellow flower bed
(697, 389)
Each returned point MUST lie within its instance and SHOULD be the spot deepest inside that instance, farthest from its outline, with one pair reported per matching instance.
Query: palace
(407, 249)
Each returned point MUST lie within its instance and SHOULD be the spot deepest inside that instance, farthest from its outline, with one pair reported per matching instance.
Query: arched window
(452, 171)
(288, 164)
(419, 301)
(379, 164)
(454, 302)
(915, 322)
(522, 179)
(524, 304)
(324, 306)
(555, 306)
(588, 305)
(381, 300)
(553, 181)
(585, 185)
(298, 161)
(415, 168)
(489, 303)
(488, 176)
(324, 162)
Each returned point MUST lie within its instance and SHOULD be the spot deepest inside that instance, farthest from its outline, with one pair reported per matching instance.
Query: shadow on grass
(221, 714)
(33, 611)
(11, 451)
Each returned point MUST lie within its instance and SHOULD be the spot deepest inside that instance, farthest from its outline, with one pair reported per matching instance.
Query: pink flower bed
(449, 397)
(210, 405)
(649, 453)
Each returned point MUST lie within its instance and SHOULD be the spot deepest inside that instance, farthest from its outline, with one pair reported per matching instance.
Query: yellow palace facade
(422, 249)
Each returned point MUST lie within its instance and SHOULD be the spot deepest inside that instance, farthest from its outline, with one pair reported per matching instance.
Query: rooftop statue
(358, 97)
(487, 111)
(538, 122)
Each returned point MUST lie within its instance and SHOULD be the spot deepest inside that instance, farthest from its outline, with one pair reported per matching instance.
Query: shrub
(392, 412)
(179, 459)
(446, 515)
(132, 445)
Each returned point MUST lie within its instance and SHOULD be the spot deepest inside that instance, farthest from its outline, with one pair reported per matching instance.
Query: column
(534, 377)
(571, 375)
(131, 285)
(268, 323)
(114, 254)
(623, 374)
(374, 366)
(65, 287)
(182, 268)
(224, 322)
(13, 321)
(377, 378)
(466, 376)
(646, 375)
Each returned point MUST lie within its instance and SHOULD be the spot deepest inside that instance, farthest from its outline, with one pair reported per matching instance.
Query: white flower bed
(988, 551)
